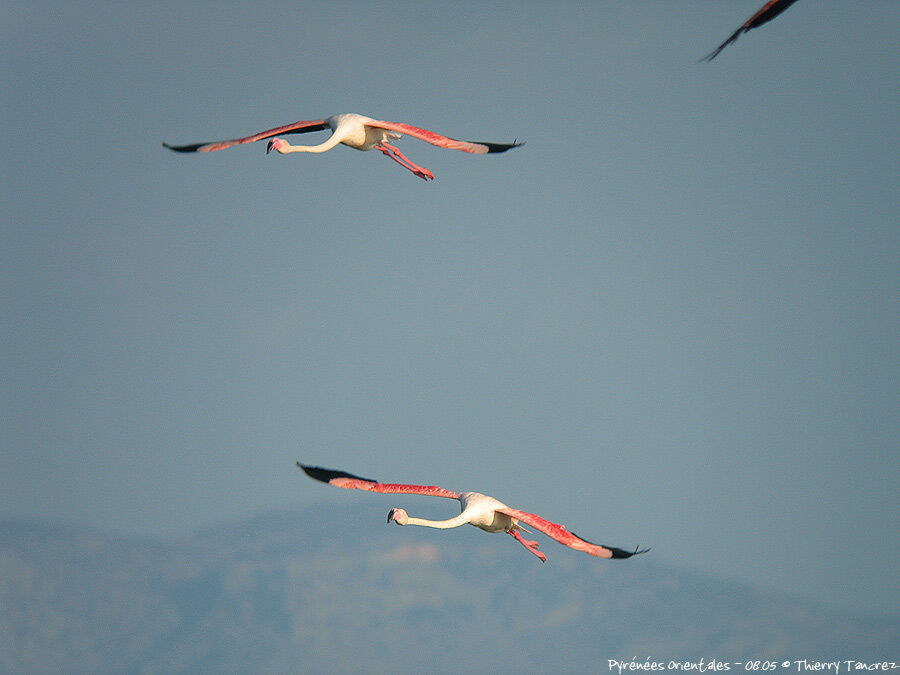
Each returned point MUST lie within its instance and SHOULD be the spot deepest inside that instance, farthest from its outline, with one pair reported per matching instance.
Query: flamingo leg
(527, 543)
(394, 153)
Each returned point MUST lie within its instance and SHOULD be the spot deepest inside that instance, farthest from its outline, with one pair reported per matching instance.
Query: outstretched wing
(570, 539)
(478, 148)
(295, 128)
(343, 479)
(766, 13)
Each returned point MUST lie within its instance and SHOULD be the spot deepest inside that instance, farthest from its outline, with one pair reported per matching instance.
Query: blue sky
(669, 319)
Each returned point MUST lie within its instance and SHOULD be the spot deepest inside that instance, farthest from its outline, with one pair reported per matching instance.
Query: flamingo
(765, 13)
(358, 132)
(476, 509)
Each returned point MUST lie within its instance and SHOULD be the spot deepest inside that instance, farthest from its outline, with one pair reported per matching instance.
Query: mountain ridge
(324, 590)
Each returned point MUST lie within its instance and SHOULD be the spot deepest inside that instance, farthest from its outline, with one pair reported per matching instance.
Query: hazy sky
(669, 319)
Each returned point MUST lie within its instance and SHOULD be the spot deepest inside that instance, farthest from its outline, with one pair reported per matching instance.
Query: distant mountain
(334, 589)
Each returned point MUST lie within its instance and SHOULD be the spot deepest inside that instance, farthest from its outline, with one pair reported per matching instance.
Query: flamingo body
(486, 513)
(355, 131)
(765, 14)
(481, 511)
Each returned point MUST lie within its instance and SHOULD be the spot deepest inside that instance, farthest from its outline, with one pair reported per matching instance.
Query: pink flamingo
(356, 131)
(766, 13)
(476, 509)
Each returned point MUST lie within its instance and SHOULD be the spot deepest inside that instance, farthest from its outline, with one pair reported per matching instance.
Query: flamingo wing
(343, 479)
(478, 148)
(765, 13)
(301, 127)
(570, 539)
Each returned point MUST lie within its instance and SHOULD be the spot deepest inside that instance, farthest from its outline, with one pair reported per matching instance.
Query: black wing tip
(617, 552)
(194, 147)
(622, 553)
(715, 52)
(754, 21)
(327, 475)
(501, 147)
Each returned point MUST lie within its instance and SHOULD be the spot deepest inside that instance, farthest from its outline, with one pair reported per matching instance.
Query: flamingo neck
(322, 147)
(461, 519)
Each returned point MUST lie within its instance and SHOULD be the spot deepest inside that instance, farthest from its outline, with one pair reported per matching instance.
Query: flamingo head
(278, 144)
(399, 516)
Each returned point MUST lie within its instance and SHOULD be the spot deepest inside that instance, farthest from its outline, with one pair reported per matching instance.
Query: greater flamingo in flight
(358, 132)
(476, 509)
(766, 13)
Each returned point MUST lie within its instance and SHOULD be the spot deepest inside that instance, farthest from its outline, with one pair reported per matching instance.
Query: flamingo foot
(278, 144)
(423, 173)
(527, 543)
(394, 153)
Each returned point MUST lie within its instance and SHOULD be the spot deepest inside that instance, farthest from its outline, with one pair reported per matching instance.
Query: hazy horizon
(319, 589)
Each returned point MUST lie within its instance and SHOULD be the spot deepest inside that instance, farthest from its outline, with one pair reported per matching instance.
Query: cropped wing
(570, 539)
(295, 128)
(478, 148)
(766, 13)
(342, 479)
